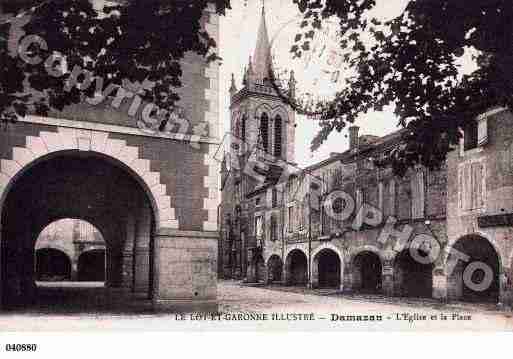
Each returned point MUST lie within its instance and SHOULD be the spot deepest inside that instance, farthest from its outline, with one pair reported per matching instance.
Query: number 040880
(20, 347)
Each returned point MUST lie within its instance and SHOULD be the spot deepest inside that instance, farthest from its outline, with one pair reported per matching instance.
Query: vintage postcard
(233, 165)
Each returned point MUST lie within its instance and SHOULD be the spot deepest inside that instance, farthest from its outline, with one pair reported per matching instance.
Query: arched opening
(264, 131)
(243, 129)
(411, 277)
(274, 269)
(367, 273)
(91, 266)
(52, 265)
(259, 266)
(73, 237)
(85, 186)
(476, 279)
(328, 264)
(297, 268)
(278, 136)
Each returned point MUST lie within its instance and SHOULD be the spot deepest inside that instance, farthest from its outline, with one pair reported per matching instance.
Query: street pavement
(244, 308)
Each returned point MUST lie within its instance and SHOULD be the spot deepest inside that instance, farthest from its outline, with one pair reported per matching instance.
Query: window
(274, 198)
(264, 131)
(274, 229)
(300, 215)
(277, 136)
(470, 136)
(257, 201)
(259, 226)
(324, 222)
(291, 219)
(471, 185)
(291, 187)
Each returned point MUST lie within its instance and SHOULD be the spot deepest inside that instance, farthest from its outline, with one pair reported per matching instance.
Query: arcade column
(142, 250)
(439, 284)
(185, 277)
(387, 278)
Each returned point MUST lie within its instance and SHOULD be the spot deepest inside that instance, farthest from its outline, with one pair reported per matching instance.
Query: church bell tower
(259, 117)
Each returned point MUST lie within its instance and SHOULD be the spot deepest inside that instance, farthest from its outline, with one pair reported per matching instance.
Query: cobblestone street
(243, 308)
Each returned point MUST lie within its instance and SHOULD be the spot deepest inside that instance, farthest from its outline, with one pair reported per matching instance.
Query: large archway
(475, 279)
(328, 268)
(91, 266)
(274, 269)
(52, 265)
(367, 273)
(297, 268)
(81, 185)
(411, 277)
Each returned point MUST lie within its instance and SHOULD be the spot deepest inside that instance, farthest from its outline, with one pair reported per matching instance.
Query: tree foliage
(133, 40)
(411, 62)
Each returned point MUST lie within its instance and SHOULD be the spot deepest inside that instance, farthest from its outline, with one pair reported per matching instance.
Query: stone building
(350, 224)
(152, 194)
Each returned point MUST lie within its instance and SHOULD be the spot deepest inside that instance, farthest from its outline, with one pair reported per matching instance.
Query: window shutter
(482, 131)
(477, 185)
(417, 190)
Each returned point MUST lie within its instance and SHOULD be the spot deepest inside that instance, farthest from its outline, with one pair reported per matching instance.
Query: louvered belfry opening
(277, 136)
(264, 131)
(243, 129)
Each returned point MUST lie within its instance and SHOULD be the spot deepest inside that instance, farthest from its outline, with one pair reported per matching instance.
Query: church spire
(262, 55)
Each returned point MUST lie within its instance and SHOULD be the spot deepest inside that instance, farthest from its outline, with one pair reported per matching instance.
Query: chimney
(353, 138)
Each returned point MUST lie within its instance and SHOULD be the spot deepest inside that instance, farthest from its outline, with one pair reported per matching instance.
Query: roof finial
(263, 6)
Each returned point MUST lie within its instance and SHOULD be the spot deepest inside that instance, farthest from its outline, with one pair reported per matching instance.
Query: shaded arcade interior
(326, 269)
(367, 273)
(474, 284)
(412, 278)
(82, 186)
(91, 266)
(296, 268)
(274, 269)
(70, 250)
(52, 265)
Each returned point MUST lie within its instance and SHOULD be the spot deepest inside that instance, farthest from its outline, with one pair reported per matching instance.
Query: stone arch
(263, 108)
(479, 248)
(329, 252)
(490, 240)
(72, 139)
(301, 247)
(328, 246)
(56, 247)
(365, 266)
(366, 248)
(296, 267)
(279, 111)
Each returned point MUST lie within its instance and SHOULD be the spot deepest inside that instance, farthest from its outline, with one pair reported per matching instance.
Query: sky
(237, 41)
(238, 30)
